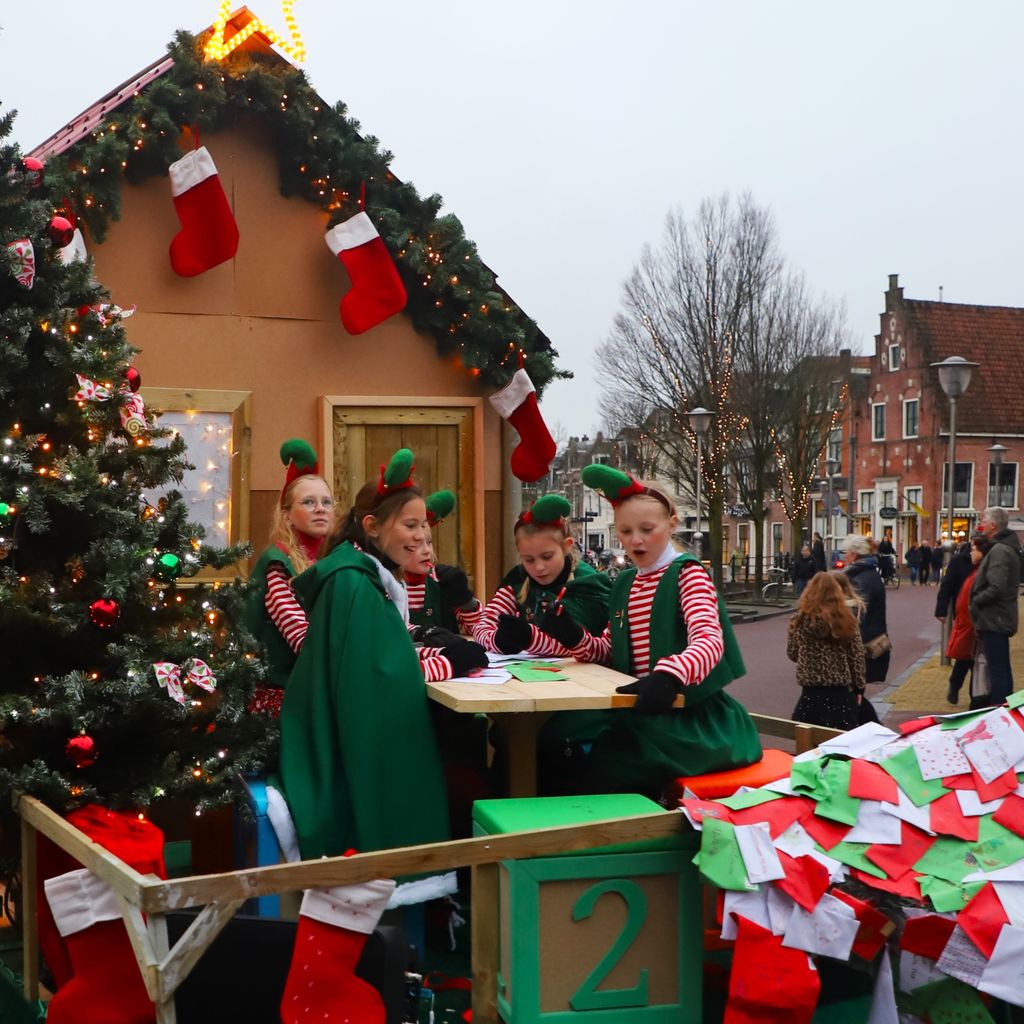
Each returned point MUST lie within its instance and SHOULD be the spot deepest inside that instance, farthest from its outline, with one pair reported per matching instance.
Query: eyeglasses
(311, 503)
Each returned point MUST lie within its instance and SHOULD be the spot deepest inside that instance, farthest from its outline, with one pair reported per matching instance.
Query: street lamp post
(700, 422)
(831, 468)
(996, 453)
(954, 377)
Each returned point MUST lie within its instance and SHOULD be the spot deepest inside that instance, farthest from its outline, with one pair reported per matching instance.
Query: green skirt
(621, 751)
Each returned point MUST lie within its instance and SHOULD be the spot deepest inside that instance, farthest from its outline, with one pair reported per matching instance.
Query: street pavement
(769, 687)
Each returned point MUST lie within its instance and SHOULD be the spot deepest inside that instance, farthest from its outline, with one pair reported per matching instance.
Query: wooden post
(484, 944)
(27, 913)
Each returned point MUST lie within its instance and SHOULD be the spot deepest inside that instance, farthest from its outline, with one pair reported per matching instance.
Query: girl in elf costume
(668, 627)
(359, 761)
(549, 571)
(302, 519)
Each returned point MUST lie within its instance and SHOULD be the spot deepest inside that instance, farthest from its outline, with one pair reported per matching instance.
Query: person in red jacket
(962, 640)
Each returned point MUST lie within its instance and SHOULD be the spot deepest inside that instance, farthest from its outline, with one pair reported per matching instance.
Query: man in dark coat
(938, 557)
(959, 569)
(818, 552)
(994, 596)
(926, 562)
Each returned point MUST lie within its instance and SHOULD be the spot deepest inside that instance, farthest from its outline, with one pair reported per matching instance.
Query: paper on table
(1003, 976)
(747, 798)
(916, 971)
(948, 858)
(828, 930)
(860, 741)
(1015, 699)
(751, 905)
(795, 841)
(874, 824)
(487, 676)
(1011, 895)
(992, 744)
(1011, 814)
(948, 896)
(719, 859)
(997, 847)
(938, 754)
(759, 856)
(495, 658)
(883, 999)
(534, 672)
(906, 810)
(903, 768)
(780, 908)
(1011, 873)
(783, 786)
(972, 805)
(837, 804)
(962, 959)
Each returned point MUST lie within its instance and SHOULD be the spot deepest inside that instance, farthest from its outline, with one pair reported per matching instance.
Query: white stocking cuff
(192, 169)
(351, 233)
(356, 908)
(513, 394)
(79, 899)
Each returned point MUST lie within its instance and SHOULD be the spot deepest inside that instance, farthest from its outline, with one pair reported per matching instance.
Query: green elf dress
(359, 761)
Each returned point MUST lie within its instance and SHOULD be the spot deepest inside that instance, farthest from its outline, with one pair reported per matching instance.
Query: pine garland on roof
(322, 158)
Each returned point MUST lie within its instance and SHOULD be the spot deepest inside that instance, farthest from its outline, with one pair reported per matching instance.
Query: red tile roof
(990, 335)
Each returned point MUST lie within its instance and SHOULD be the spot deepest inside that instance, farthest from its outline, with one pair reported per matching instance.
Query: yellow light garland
(217, 47)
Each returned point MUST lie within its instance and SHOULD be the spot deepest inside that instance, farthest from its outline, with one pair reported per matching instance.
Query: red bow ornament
(199, 674)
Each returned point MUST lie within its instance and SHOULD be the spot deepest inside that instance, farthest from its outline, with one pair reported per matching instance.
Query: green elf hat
(397, 474)
(547, 510)
(300, 458)
(616, 486)
(439, 507)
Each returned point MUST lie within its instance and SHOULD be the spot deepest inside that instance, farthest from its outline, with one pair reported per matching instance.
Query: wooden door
(442, 439)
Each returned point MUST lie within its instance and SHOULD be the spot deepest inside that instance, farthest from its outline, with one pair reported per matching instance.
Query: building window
(912, 497)
(776, 538)
(866, 502)
(888, 498)
(963, 484)
(1005, 495)
(894, 357)
(878, 422)
(835, 444)
(910, 417)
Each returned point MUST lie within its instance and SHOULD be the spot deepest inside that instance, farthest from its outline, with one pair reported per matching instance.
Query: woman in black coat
(862, 570)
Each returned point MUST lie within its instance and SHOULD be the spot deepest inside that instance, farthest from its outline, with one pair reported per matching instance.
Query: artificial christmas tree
(90, 600)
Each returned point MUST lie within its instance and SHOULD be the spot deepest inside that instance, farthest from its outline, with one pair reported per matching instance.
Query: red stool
(774, 765)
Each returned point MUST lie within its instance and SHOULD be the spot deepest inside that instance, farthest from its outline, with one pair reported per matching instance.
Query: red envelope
(769, 982)
(927, 936)
(983, 918)
(869, 781)
(1011, 814)
(825, 832)
(949, 820)
(779, 814)
(806, 879)
(874, 929)
(1006, 783)
(896, 860)
(903, 885)
(916, 725)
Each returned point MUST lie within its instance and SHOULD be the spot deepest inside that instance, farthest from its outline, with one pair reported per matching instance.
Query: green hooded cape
(359, 762)
(278, 656)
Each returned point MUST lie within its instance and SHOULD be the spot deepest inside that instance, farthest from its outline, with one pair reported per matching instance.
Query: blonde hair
(558, 530)
(281, 532)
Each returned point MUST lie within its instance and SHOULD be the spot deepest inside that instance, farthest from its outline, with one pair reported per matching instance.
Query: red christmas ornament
(133, 377)
(81, 751)
(104, 612)
(33, 167)
(61, 231)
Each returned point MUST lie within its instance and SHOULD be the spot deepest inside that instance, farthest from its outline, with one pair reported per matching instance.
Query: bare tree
(673, 345)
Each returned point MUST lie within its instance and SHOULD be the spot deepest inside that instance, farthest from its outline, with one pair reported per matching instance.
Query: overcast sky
(885, 136)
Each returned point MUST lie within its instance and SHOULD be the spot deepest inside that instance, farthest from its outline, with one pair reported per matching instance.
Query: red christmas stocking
(377, 291)
(107, 987)
(517, 403)
(333, 925)
(140, 844)
(209, 234)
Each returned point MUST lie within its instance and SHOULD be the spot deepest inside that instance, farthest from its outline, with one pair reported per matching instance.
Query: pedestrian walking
(994, 599)
(913, 560)
(926, 563)
(818, 552)
(938, 557)
(804, 568)
(824, 641)
(962, 639)
(862, 569)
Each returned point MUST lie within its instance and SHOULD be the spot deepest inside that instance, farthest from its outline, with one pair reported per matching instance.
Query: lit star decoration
(217, 47)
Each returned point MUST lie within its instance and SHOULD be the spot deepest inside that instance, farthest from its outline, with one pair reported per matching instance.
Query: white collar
(397, 594)
(667, 556)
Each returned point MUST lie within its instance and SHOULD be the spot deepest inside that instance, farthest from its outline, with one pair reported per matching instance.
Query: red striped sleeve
(483, 624)
(595, 648)
(436, 668)
(283, 608)
(705, 646)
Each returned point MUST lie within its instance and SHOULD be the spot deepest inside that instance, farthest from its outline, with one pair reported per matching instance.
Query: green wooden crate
(611, 935)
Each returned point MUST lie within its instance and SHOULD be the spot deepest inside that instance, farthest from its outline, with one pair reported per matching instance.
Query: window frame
(916, 403)
(875, 435)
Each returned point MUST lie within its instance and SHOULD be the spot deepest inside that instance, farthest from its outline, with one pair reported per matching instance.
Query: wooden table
(520, 709)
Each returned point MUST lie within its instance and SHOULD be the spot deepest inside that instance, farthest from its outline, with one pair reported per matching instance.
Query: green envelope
(903, 767)
(719, 859)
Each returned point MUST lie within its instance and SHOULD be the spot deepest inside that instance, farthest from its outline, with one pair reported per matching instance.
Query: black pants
(997, 650)
(960, 669)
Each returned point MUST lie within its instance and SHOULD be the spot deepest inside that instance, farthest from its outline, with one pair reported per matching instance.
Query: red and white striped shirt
(283, 607)
(417, 594)
(698, 604)
(483, 624)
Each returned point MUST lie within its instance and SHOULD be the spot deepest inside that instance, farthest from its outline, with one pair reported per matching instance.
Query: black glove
(465, 656)
(561, 626)
(434, 636)
(513, 634)
(454, 585)
(655, 693)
